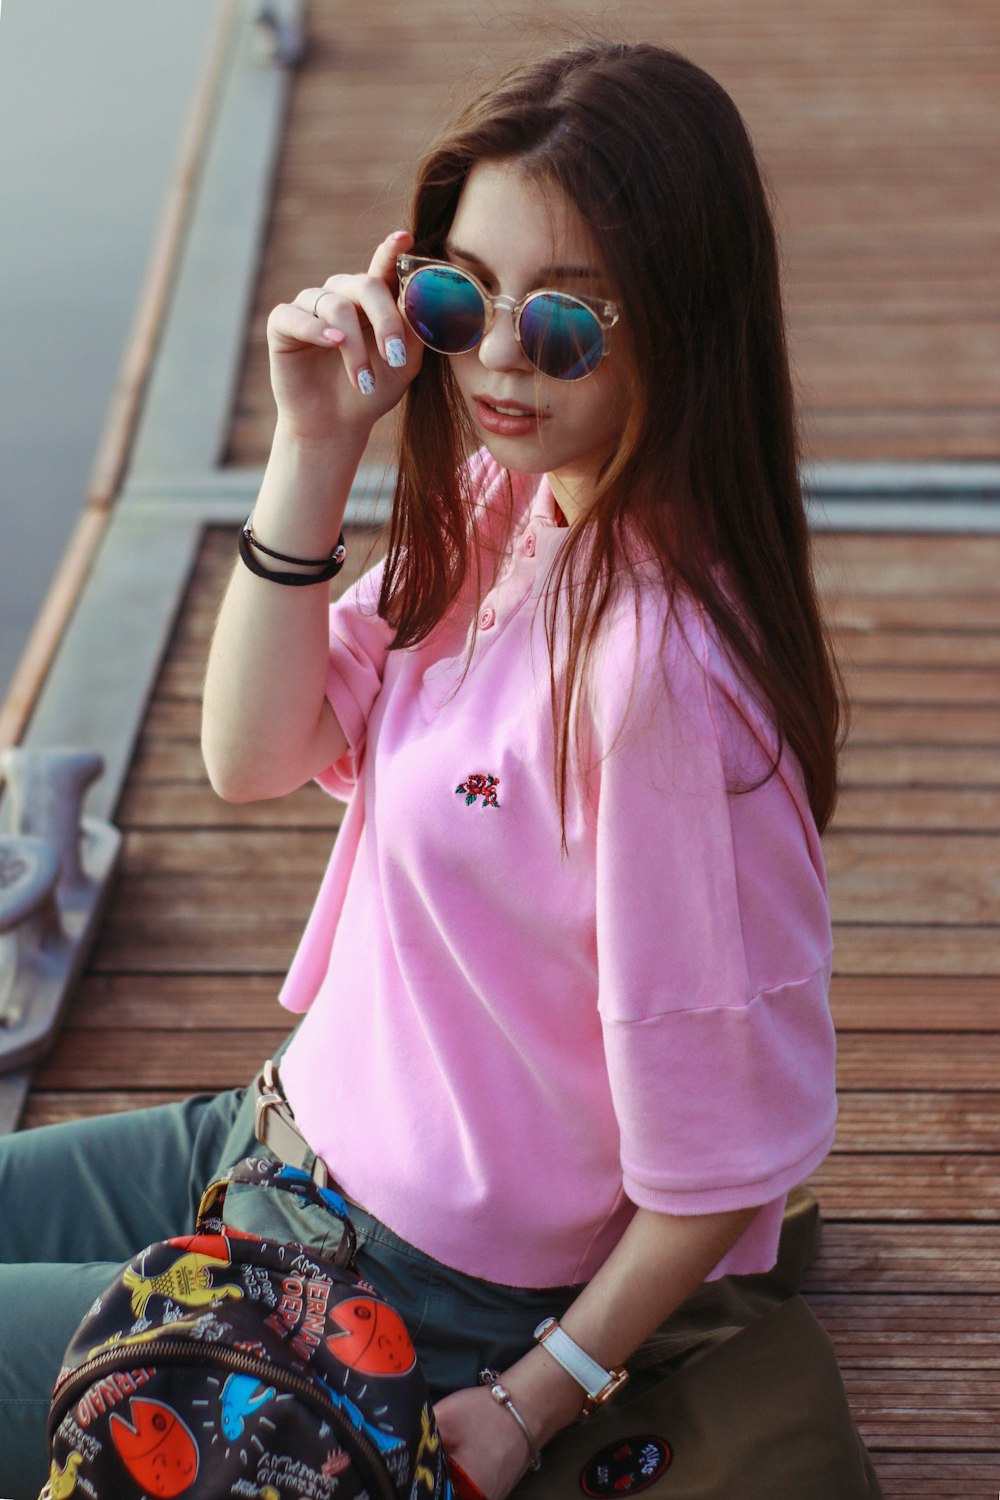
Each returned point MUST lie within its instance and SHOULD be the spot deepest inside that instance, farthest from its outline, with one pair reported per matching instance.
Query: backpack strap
(255, 1171)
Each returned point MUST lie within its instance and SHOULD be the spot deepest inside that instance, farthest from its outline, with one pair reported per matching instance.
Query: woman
(567, 1037)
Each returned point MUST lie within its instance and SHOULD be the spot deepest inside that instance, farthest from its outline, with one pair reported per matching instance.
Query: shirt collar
(542, 507)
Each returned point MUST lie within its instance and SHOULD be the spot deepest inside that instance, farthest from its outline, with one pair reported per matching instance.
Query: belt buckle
(275, 1128)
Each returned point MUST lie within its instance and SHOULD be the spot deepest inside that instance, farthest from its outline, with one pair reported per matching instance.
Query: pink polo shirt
(506, 1046)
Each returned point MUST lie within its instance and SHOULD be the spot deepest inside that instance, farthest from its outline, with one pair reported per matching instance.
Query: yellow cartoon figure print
(121, 1340)
(429, 1443)
(188, 1281)
(62, 1482)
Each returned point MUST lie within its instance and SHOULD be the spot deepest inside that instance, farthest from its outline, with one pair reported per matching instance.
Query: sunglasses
(562, 336)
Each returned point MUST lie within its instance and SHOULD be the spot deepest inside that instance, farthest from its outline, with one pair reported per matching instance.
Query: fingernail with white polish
(395, 353)
(366, 382)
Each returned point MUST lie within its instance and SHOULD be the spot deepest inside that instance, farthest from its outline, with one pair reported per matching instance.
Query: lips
(506, 418)
(508, 408)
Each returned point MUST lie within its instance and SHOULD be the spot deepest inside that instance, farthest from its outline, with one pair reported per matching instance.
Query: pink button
(529, 544)
(487, 617)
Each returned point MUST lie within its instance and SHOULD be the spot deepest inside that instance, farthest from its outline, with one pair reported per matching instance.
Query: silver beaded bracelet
(501, 1395)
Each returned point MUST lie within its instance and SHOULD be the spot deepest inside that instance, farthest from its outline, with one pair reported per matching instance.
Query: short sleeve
(359, 646)
(713, 934)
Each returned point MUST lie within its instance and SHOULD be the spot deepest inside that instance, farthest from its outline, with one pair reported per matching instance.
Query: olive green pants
(77, 1200)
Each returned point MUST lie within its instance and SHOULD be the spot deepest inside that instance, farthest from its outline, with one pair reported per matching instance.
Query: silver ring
(326, 292)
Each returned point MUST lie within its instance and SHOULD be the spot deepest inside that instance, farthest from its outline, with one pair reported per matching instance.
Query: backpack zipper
(180, 1351)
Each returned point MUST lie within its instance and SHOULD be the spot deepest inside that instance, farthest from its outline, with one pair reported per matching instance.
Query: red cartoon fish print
(156, 1447)
(374, 1340)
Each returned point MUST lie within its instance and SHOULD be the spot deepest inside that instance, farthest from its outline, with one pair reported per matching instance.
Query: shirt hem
(732, 1196)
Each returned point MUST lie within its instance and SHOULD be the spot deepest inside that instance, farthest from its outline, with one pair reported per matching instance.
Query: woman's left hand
(484, 1439)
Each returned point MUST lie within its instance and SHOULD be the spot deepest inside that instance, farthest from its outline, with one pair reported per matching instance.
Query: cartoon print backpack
(221, 1364)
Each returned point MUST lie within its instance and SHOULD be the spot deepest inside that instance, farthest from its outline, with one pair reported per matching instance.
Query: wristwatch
(599, 1383)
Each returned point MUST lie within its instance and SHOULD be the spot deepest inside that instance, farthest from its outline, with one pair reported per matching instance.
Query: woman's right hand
(267, 726)
(339, 369)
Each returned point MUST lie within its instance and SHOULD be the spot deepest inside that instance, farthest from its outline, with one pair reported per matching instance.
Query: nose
(498, 348)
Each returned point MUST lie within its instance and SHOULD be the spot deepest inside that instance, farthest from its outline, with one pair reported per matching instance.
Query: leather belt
(275, 1128)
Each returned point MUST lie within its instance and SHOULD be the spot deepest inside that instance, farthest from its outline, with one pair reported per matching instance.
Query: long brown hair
(653, 154)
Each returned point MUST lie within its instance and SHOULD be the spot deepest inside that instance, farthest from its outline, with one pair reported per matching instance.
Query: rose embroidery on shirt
(480, 786)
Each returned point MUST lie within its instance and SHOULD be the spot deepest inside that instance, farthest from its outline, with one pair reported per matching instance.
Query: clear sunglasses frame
(605, 312)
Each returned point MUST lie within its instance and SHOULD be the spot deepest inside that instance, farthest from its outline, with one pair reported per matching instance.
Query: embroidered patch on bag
(627, 1466)
(479, 786)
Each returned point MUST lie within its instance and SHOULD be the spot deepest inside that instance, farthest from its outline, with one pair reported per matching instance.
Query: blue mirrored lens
(445, 309)
(562, 337)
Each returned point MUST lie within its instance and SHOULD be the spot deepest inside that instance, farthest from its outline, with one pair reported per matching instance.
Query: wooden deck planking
(876, 126)
(180, 992)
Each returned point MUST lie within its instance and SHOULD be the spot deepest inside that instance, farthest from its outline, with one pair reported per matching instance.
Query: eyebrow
(558, 272)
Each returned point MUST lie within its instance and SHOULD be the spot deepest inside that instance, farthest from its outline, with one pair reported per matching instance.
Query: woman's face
(516, 236)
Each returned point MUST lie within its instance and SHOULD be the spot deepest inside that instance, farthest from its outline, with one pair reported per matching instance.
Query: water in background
(94, 96)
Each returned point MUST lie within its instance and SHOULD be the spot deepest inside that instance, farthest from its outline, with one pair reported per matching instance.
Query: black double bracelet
(328, 567)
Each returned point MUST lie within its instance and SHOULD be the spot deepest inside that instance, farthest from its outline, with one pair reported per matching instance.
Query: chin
(516, 454)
